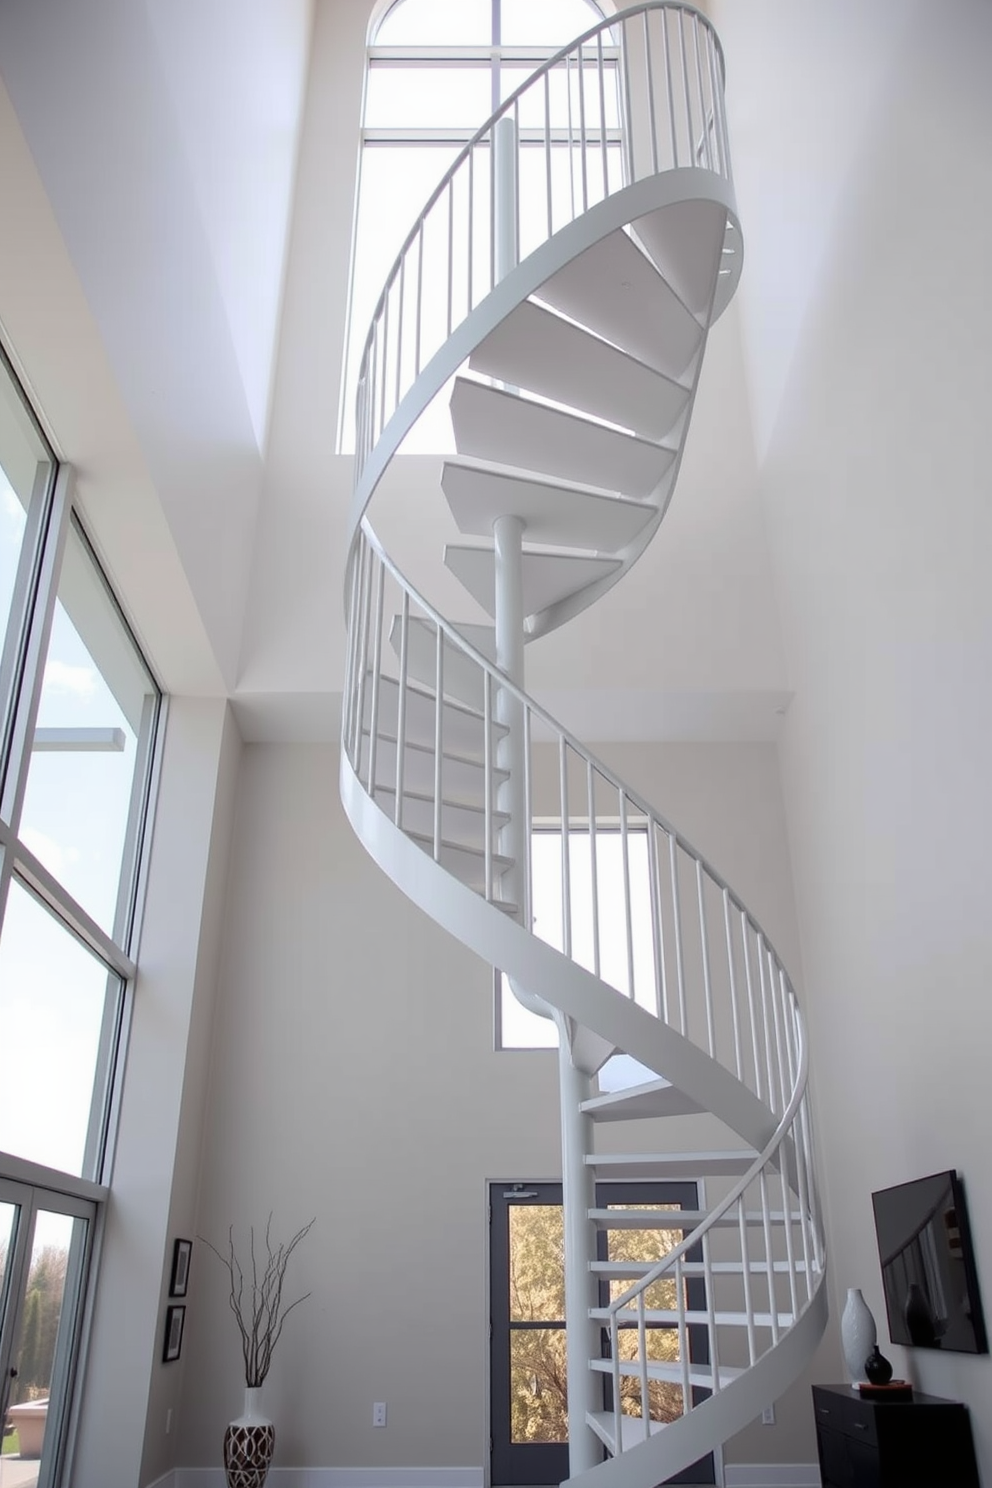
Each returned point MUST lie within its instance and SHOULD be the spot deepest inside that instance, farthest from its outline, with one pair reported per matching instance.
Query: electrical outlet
(379, 1413)
(768, 1416)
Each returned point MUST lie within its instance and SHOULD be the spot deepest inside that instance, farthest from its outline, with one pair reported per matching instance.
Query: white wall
(877, 503)
(354, 1078)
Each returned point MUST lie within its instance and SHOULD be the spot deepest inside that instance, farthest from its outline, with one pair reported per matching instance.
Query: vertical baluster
(642, 1349)
(711, 1333)
(649, 75)
(773, 994)
(615, 1375)
(571, 135)
(528, 904)
(750, 1005)
(363, 623)
(774, 1098)
(399, 333)
(708, 148)
(487, 771)
(373, 385)
(734, 1010)
(746, 1276)
(783, 1170)
(516, 178)
(401, 708)
(347, 732)
(547, 151)
(769, 1254)
(593, 864)
(451, 253)
(602, 113)
(626, 97)
(657, 925)
(376, 677)
(492, 207)
(718, 139)
(418, 336)
(719, 104)
(385, 361)
(683, 1337)
(797, 1135)
(628, 907)
(677, 918)
(469, 300)
(705, 947)
(685, 86)
(670, 91)
(583, 141)
(438, 740)
(566, 877)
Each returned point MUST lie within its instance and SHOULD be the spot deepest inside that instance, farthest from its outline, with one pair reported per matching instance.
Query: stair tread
(421, 746)
(683, 1164)
(685, 240)
(463, 678)
(659, 1369)
(547, 578)
(536, 349)
(462, 724)
(559, 516)
(456, 803)
(491, 424)
(669, 1318)
(638, 1102)
(633, 1270)
(680, 1219)
(615, 289)
(468, 849)
(631, 1428)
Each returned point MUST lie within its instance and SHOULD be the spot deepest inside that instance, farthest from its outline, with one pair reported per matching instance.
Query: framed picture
(175, 1319)
(181, 1253)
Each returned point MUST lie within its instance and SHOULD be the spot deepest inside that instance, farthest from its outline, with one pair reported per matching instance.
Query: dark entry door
(529, 1398)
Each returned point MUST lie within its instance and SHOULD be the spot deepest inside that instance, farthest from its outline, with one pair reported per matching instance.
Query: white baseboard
(333, 1477)
(771, 1475)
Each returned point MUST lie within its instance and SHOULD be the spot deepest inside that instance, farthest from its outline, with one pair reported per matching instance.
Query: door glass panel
(537, 1263)
(665, 1396)
(53, 1001)
(538, 1385)
(96, 709)
(47, 1306)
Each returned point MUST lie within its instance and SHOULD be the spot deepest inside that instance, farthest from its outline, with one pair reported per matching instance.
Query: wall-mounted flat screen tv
(928, 1265)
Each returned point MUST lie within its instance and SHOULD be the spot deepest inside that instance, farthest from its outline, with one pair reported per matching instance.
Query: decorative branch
(260, 1315)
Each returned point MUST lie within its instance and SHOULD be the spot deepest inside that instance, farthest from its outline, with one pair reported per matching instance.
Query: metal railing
(636, 95)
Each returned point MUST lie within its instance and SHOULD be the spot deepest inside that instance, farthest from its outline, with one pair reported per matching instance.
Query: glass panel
(405, 96)
(53, 996)
(563, 95)
(664, 1396)
(436, 23)
(97, 706)
(25, 467)
(545, 22)
(642, 1245)
(538, 1385)
(48, 1314)
(537, 1263)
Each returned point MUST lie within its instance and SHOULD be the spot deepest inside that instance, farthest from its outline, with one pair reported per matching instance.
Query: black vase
(878, 1370)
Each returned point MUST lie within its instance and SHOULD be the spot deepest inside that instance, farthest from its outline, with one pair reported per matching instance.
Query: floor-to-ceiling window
(79, 713)
(436, 71)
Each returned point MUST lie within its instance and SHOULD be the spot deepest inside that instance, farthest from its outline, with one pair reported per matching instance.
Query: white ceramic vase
(858, 1334)
(248, 1444)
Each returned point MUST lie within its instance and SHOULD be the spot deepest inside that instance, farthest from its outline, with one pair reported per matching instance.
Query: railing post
(581, 1285)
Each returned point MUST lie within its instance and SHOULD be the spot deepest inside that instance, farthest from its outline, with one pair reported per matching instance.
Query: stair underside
(463, 678)
(547, 578)
(685, 1165)
(654, 1098)
(558, 516)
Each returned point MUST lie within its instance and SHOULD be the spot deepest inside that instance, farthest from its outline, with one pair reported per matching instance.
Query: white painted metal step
(631, 1429)
(535, 349)
(546, 578)
(460, 776)
(463, 678)
(461, 821)
(680, 1219)
(669, 1318)
(686, 242)
(462, 726)
(634, 1270)
(615, 290)
(467, 864)
(558, 516)
(491, 424)
(686, 1165)
(660, 1369)
(654, 1098)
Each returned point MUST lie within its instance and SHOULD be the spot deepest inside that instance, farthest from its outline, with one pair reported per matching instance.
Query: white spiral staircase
(564, 274)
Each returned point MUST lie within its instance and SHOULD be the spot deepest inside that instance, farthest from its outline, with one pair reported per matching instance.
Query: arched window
(436, 71)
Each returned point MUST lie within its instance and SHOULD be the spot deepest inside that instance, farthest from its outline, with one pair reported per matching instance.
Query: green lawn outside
(11, 1444)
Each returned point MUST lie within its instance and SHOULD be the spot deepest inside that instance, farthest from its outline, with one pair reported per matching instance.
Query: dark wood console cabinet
(920, 1443)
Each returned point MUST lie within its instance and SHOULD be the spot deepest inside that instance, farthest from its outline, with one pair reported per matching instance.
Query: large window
(436, 71)
(78, 719)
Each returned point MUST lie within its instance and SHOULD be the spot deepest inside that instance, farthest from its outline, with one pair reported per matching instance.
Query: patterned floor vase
(248, 1445)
